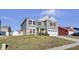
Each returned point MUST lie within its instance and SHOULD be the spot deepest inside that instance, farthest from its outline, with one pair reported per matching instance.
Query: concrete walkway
(68, 38)
(65, 46)
(68, 45)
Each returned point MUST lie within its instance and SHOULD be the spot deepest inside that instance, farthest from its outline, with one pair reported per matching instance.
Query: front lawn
(32, 42)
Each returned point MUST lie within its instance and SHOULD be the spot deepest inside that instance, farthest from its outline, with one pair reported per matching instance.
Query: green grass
(74, 48)
(32, 42)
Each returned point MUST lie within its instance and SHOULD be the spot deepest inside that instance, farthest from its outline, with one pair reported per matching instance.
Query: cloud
(49, 12)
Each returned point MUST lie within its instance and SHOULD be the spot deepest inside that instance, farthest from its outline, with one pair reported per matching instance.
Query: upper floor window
(34, 23)
(54, 24)
(39, 23)
(51, 24)
(30, 22)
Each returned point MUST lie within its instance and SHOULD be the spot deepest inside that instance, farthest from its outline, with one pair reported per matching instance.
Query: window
(30, 30)
(33, 30)
(51, 23)
(39, 23)
(34, 23)
(54, 24)
(30, 22)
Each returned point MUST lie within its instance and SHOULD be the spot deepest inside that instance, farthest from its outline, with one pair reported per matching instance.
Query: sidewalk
(68, 45)
(65, 46)
(68, 38)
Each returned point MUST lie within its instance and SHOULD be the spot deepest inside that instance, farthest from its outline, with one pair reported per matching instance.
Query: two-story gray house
(43, 26)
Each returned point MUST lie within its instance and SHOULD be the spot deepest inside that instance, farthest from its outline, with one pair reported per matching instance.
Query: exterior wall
(23, 27)
(52, 30)
(31, 26)
(70, 32)
(32, 31)
(53, 33)
(5, 31)
(62, 31)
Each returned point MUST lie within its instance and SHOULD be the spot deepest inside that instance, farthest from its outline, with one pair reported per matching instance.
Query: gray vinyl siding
(23, 28)
(54, 28)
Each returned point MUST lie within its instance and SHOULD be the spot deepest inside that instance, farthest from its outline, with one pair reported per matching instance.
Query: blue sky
(14, 17)
(68, 17)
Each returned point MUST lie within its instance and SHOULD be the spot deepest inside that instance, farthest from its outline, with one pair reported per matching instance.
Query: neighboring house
(62, 31)
(71, 30)
(66, 30)
(5, 30)
(44, 26)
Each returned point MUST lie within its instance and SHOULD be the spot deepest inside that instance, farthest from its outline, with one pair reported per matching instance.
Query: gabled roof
(47, 18)
(67, 28)
(62, 27)
(24, 21)
(70, 28)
